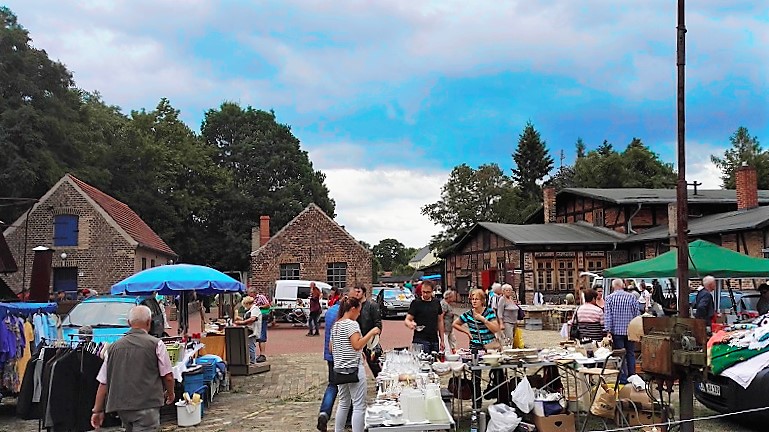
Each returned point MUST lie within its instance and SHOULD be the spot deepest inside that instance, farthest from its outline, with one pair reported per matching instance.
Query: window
(595, 265)
(65, 230)
(565, 275)
(486, 238)
(152, 263)
(144, 263)
(598, 217)
(289, 271)
(545, 275)
(65, 279)
(336, 274)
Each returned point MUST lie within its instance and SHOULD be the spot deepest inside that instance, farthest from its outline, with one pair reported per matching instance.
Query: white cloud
(700, 168)
(375, 204)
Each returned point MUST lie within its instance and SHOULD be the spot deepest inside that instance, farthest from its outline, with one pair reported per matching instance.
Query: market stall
(199, 372)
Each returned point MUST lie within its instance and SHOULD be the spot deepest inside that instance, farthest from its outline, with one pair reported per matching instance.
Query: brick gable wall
(312, 240)
(102, 255)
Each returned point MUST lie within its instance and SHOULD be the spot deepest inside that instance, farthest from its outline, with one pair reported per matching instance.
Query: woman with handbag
(349, 374)
(587, 322)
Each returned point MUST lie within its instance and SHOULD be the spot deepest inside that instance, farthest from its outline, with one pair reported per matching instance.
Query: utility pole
(686, 385)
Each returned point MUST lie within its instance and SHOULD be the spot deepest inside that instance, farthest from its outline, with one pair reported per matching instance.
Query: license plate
(711, 389)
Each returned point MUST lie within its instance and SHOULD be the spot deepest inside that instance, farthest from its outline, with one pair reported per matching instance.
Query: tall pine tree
(532, 162)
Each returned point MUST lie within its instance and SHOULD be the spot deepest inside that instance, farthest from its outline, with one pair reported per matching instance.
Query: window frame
(66, 230)
(289, 271)
(336, 274)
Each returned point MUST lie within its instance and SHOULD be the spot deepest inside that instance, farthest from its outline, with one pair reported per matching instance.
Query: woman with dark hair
(346, 346)
(590, 318)
(313, 323)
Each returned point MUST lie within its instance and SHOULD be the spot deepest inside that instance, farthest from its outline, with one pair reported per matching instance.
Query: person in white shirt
(644, 299)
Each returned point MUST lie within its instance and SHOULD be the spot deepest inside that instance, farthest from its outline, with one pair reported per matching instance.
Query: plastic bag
(503, 419)
(518, 338)
(523, 395)
(565, 331)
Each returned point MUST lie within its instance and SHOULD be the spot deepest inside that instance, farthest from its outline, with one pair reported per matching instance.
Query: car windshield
(750, 302)
(398, 294)
(95, 314)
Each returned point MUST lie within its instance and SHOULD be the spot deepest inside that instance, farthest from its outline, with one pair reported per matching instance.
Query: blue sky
(388, 96)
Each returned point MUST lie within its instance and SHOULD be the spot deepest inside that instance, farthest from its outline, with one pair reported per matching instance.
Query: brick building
(97, 240)
(310, 247)
(581, 229)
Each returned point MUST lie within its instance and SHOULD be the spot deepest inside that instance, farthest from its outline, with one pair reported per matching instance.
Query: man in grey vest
(134, 377)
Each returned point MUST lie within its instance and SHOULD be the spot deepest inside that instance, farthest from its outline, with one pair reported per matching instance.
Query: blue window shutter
(65, 230)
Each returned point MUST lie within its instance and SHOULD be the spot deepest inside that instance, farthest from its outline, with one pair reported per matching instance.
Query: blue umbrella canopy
(173, 279)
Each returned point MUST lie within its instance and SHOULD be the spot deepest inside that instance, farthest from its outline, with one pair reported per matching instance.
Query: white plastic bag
(565, 328)
(503, 419)
(523, 395)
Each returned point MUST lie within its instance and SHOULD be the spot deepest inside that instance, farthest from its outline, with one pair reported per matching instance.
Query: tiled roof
(661, 196)
(126, 218)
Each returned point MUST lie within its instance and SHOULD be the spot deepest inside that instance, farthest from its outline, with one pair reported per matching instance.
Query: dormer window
(65, 230)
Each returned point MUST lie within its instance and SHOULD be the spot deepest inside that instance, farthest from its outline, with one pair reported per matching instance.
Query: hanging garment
(29, 336)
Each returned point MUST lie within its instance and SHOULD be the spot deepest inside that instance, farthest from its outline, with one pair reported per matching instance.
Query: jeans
(313, 322)
(619, 342)
(427, 346)
(251, 349)
(354, 393)
(329, 396)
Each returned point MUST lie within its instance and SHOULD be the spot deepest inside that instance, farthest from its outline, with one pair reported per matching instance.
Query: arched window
(65, 230)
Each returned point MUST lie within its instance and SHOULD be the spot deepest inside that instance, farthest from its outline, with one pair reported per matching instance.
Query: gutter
(630, 220)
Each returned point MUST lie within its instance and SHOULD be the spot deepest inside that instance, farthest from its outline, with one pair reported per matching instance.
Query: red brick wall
(102, 256)
(312, 240)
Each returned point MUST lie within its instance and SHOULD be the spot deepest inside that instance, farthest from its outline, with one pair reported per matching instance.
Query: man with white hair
(494, 293)
(704, 305)
(133, 378)
(620, 308)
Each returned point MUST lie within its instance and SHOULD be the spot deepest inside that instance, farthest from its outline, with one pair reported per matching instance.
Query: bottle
(474, 422)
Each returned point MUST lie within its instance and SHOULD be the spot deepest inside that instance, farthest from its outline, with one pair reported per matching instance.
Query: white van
(287, 292)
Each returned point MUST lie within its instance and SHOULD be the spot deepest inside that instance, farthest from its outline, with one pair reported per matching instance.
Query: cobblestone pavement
(288, 397)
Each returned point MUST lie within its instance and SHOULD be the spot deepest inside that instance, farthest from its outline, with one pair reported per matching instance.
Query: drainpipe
(630, 220)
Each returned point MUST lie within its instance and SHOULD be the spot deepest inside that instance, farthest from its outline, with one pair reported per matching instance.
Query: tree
(271, 175)
(40, 118)
(745, 148)
(474, 195)
(390, 253)
(532, 162)
(580, 148)
(636, 167)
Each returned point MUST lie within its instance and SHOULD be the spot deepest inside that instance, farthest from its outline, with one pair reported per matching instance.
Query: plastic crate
(209, 368)
(173, 352)
(193, 381)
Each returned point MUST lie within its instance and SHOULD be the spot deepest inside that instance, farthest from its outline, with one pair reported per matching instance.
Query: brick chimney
(747, 187)
(255, 242)
(548, 204)
(264, 230)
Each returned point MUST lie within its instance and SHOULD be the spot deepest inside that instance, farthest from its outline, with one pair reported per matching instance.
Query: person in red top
(314, 322)
(334, 296)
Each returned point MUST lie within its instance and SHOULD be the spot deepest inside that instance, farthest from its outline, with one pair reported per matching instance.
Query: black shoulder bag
(574, 330)
(345, 375)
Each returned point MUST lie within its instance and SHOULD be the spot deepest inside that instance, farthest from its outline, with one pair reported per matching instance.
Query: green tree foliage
(532, 162)
(635, 167)
(271, 175)
(40, 117)
(580, 148)
(745, 148)
(391, 253)
(475, 195)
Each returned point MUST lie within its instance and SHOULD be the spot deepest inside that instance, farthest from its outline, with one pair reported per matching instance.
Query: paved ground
(288, 397)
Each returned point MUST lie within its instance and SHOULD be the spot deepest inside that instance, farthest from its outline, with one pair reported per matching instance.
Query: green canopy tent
(705, 258)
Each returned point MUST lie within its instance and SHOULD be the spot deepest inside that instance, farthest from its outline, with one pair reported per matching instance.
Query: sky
(388, 96)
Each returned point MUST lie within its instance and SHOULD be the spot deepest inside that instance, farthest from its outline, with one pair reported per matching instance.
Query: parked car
(724, 395)
(375, 290)
(287, 293)
(108, 316)
(394, 301)
(724, 304)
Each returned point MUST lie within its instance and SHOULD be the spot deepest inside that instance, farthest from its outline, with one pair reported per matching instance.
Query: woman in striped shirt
(590, 318)
(346, 346)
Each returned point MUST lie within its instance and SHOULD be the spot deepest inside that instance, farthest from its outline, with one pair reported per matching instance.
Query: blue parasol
(177, 278)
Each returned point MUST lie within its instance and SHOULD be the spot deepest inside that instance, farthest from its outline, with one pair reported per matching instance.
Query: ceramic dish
(492, 359)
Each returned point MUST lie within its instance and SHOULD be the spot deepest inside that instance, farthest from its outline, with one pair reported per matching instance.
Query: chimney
(548, 204)
(264, 230)
(255, 243)
(40, 281)
(747, 187)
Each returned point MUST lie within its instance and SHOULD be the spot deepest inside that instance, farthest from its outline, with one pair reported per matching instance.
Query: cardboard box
(555, 423)
(639, 398)
(641, 418)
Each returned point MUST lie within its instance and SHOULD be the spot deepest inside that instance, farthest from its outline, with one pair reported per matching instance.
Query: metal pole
(686, 385)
